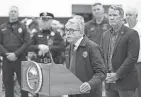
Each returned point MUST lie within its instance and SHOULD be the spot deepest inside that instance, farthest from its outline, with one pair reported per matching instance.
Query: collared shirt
(77, 43)
(137, 27)
(113, 38)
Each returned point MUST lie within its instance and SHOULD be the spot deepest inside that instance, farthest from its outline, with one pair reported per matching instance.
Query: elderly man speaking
(84, 58)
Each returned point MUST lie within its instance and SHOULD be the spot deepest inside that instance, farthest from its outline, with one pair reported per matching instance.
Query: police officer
(99, 24)
(46, 40)
(13, 42)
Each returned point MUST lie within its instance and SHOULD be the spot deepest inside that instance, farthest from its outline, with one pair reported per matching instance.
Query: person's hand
(11, 56)
(85, 87)
(111, 78)
(43, 48)
(40, 52)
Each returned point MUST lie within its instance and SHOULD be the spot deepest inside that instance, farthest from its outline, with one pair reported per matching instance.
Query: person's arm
(97, 63)
(33, 46)
(58, 44)
(132, 55)
(24, 46)
(3, 51)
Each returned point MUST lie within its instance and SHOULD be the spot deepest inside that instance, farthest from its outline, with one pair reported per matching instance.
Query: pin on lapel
(85, 54)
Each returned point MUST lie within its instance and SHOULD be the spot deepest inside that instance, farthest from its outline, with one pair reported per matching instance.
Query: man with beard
(132, 22)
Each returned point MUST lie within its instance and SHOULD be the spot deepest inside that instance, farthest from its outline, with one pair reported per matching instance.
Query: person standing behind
(95, 28)
(46, 40)
(84, 58)
(99, 24)
(120, 45)
(132, 22)
(13, 43)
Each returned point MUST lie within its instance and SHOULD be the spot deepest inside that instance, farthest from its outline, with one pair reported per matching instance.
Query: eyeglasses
(70, 31)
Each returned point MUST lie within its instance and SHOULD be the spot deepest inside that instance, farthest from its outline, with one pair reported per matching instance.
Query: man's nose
(111, 17)
(127, 17)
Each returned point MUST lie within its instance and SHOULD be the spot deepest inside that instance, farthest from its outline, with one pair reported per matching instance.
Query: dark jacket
(94, 31)
(53, 40)
(13, 39)
(89, 65)
(124, 57)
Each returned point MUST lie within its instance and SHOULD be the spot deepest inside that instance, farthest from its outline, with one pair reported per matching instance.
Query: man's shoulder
(90, 22)
(106, 32)
(3, 25)
(128, 30)
(90, 43)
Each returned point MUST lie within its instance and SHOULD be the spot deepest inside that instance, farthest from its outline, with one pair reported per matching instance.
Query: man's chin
(70, 41)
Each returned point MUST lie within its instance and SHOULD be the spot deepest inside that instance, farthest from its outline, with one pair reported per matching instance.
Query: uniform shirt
(13, 38)
(53, 40)
(137, 27)
(94, 31)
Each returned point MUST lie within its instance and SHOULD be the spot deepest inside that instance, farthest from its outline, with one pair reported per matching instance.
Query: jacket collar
(84, 41)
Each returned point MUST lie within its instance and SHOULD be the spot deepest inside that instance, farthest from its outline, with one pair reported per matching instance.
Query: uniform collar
(105, 20)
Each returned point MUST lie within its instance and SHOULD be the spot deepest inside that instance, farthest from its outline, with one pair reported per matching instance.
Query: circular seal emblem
(85, 54)
(20, 30)
(34, 77)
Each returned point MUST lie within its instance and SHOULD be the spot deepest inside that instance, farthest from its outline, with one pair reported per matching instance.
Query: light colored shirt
(77, 43)
(137, 27)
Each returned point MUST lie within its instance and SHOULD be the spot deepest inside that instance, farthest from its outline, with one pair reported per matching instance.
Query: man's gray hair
(119, 8)
(79, 21)
(133, 10)
(14, 7)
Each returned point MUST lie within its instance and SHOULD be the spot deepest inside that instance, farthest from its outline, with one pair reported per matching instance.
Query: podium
(48, 79)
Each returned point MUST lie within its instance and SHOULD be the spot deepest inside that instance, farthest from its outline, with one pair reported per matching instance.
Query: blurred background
(62, 9)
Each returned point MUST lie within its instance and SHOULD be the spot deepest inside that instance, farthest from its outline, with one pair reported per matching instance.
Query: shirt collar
(103, 21)
(116, 31)
(78, 42)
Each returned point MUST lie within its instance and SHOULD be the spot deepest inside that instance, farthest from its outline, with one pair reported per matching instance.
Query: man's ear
(136, 15)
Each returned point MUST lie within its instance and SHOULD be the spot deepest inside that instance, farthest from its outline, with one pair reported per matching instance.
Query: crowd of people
(105, 49)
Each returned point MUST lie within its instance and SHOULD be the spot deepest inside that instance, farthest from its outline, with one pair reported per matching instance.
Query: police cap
(47, 15)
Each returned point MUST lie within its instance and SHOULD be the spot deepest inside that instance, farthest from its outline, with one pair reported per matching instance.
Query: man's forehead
(74, 25)
(14, 8)
(97, 6)
(113, 11)
(131, 11)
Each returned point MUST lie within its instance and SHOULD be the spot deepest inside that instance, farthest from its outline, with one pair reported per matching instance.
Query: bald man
(132, 22)
(13, 43)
